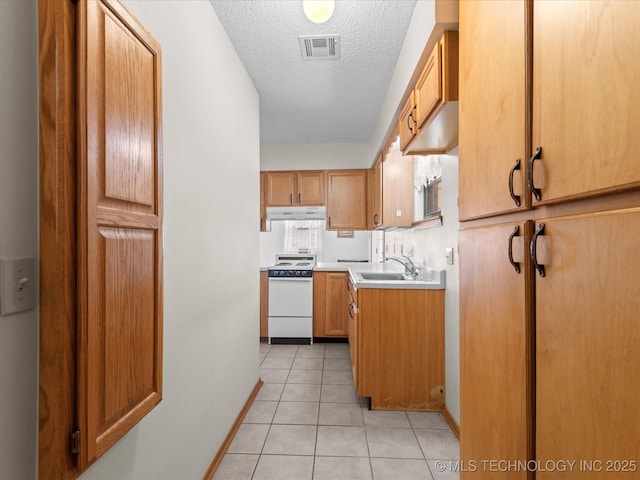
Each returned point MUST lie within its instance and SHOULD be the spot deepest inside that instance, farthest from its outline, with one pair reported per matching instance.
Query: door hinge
(74, 442)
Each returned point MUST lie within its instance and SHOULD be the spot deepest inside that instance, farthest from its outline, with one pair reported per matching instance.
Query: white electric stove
(291, 299)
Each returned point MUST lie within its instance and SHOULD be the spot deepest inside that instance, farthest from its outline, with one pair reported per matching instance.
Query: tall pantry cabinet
(550, 289)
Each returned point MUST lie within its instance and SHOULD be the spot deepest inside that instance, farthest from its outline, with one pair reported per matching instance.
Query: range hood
(296, 213)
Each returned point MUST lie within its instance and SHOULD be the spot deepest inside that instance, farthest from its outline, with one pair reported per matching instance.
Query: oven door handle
(291, 279)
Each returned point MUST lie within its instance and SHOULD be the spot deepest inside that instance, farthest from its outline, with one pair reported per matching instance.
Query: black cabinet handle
(516, 198)
(350, 309)
(375, 219)
(534, 252)
(329, 221)
(515, 233)
(299, 198)
(410, 122)
(291, 199)
(348, 285)
(534, 190)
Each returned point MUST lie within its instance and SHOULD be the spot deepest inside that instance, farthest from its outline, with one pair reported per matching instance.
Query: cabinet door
(337, 300)
(120, 226)
(492, 106)
(280, 188)
(310, 188)
(347, 200)
(586, 123)
(397, 190)
(587, 337)
(495, 349)
(407, 123)
(428, 91)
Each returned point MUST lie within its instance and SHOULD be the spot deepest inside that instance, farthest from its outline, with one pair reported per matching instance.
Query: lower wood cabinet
(330, 301)
(398, 347)
(495, 347)
(587, 335)
(549, 354)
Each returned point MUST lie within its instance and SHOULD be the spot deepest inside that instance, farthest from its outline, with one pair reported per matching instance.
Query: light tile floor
(308, 423)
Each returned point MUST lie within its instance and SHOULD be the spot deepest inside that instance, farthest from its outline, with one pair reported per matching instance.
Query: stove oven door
(290, 297)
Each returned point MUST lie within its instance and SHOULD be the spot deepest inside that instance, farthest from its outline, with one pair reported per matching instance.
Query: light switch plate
(17, 285)
(449, 256)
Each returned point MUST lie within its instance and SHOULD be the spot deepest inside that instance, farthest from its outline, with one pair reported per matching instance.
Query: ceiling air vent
(320, 47)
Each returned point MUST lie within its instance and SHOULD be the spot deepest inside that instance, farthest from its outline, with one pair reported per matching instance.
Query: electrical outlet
(17, 285)
(449, 256)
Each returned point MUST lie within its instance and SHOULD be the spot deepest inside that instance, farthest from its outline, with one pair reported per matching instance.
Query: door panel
(310, 186)
(492, 106)
(280, 186)
(495, 336)
(347, 200)
(587, 123)
(587, 329)
(337, 300)
(120, 226)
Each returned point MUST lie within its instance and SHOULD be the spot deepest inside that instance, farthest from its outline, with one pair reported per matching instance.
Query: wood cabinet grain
(330, 302)
(393, 331)
(347, 200)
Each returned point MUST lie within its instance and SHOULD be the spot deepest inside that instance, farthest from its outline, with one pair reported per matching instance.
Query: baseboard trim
(451, 421)
(211, 471)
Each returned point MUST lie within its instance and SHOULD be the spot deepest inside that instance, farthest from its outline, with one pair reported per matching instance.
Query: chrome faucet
(410, 268)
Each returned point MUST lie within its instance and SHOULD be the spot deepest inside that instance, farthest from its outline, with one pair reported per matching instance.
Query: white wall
(211, 251)
(18, 232)
(429, 246)
(332, 248)
(330, 156)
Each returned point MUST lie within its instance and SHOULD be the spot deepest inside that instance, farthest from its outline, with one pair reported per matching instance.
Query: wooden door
(492, 103)
(120, 226)
(495, 349)
(347, 200)
(407, 122)
(586, 97)
(57, 311)
(337, 300)
(280, 188)
(587, 337)
(310, 188)
(428, 91)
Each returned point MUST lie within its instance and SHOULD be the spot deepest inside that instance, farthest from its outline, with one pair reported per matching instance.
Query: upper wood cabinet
(587, 124)
(581, 139)
(374, 195)
(397, 190)
(493, 148)
(330, 303)
(428, 121)
(407, 123)
(347, 200)
(295, 188)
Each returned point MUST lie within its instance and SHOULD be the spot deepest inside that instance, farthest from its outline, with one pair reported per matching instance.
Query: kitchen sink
(385, 276)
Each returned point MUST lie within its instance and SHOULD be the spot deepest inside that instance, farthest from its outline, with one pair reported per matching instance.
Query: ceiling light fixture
(318, 11)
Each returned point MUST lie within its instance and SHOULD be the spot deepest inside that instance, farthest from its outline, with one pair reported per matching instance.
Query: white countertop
(436, 277)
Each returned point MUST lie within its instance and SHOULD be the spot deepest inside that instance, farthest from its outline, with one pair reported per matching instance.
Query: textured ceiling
(321, 101)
